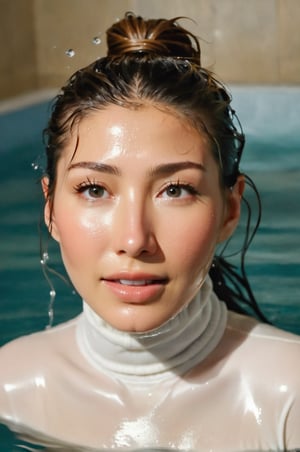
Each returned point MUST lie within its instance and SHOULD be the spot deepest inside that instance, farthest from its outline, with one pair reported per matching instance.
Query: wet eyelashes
(91, 190)
(173, 190)
(179, 190)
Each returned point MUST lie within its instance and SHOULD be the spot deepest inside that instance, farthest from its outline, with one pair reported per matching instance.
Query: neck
(176, 346)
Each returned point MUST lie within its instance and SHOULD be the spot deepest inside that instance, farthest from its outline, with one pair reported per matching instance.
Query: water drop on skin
(70, 53)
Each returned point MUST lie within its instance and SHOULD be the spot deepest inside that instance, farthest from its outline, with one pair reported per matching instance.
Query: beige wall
(17, 48)
(243, 41)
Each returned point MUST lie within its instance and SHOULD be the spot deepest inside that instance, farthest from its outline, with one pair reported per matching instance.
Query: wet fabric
(203, 381)
(179, 344)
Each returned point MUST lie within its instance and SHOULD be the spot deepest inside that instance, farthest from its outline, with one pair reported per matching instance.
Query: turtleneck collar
(176, 346)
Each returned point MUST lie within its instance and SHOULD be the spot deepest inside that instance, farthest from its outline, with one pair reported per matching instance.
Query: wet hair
(158, 62)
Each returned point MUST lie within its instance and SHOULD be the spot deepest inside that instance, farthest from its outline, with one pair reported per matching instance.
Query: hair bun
(160, 37)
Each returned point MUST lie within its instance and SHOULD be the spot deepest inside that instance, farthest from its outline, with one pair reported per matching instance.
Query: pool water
(24, 291)
(273, 261)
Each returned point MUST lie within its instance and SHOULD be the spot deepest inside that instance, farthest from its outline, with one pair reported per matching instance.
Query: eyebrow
(163, 169)
(169, 168)
(95, 166)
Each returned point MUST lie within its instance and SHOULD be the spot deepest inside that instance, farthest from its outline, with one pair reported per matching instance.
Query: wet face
(137, 213)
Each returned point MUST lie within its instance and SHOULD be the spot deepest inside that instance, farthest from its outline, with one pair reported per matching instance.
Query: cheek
(82, 237)
(193, 241)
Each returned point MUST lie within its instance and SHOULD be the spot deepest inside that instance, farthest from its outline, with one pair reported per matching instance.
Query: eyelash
(90, 184)
(86, 185)
(184, 186)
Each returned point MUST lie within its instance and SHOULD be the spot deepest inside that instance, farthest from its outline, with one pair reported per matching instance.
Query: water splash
(70, 53)
(96, 40)
(45, 258)
(52, 293)
(38, 164)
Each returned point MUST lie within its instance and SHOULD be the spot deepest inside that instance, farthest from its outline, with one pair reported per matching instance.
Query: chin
(132, 322)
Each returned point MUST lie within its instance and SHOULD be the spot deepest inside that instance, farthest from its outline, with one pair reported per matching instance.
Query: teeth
(129, 282)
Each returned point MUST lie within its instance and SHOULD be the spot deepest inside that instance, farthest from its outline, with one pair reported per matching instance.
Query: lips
(135, 288)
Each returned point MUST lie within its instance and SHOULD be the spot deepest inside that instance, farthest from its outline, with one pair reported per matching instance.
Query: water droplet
(70, 53)
(35, 166)
(96, 40)
(45, 258)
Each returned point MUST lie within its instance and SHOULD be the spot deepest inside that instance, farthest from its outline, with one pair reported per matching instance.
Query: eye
(178, 190)
(92, 190)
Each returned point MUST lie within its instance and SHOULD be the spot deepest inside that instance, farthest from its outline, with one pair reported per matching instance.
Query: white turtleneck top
(206, 380)
(177, 346)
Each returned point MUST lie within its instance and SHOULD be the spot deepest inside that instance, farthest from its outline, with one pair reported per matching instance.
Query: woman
(142, 184)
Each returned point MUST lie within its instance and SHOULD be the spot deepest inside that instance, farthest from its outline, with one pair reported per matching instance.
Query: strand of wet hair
(230, 285)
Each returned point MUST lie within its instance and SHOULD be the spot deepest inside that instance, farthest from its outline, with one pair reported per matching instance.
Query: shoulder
(32, 364)
(266, 349)
(30, 352)
(256, 331)
(264, 363)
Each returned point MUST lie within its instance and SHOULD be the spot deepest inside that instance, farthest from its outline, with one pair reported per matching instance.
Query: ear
(49, 216)
(233, 199)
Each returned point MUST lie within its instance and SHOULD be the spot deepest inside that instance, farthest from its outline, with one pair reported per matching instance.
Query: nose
(133, 232)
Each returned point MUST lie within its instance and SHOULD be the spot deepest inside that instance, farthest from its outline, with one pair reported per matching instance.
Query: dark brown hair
(157, 36)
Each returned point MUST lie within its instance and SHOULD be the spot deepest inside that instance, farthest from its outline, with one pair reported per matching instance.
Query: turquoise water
(24, 292)
(271, 159)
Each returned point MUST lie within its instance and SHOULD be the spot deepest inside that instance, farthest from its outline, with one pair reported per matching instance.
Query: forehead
(115, 131)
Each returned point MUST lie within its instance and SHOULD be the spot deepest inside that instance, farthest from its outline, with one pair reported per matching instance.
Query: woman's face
(137, 213)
